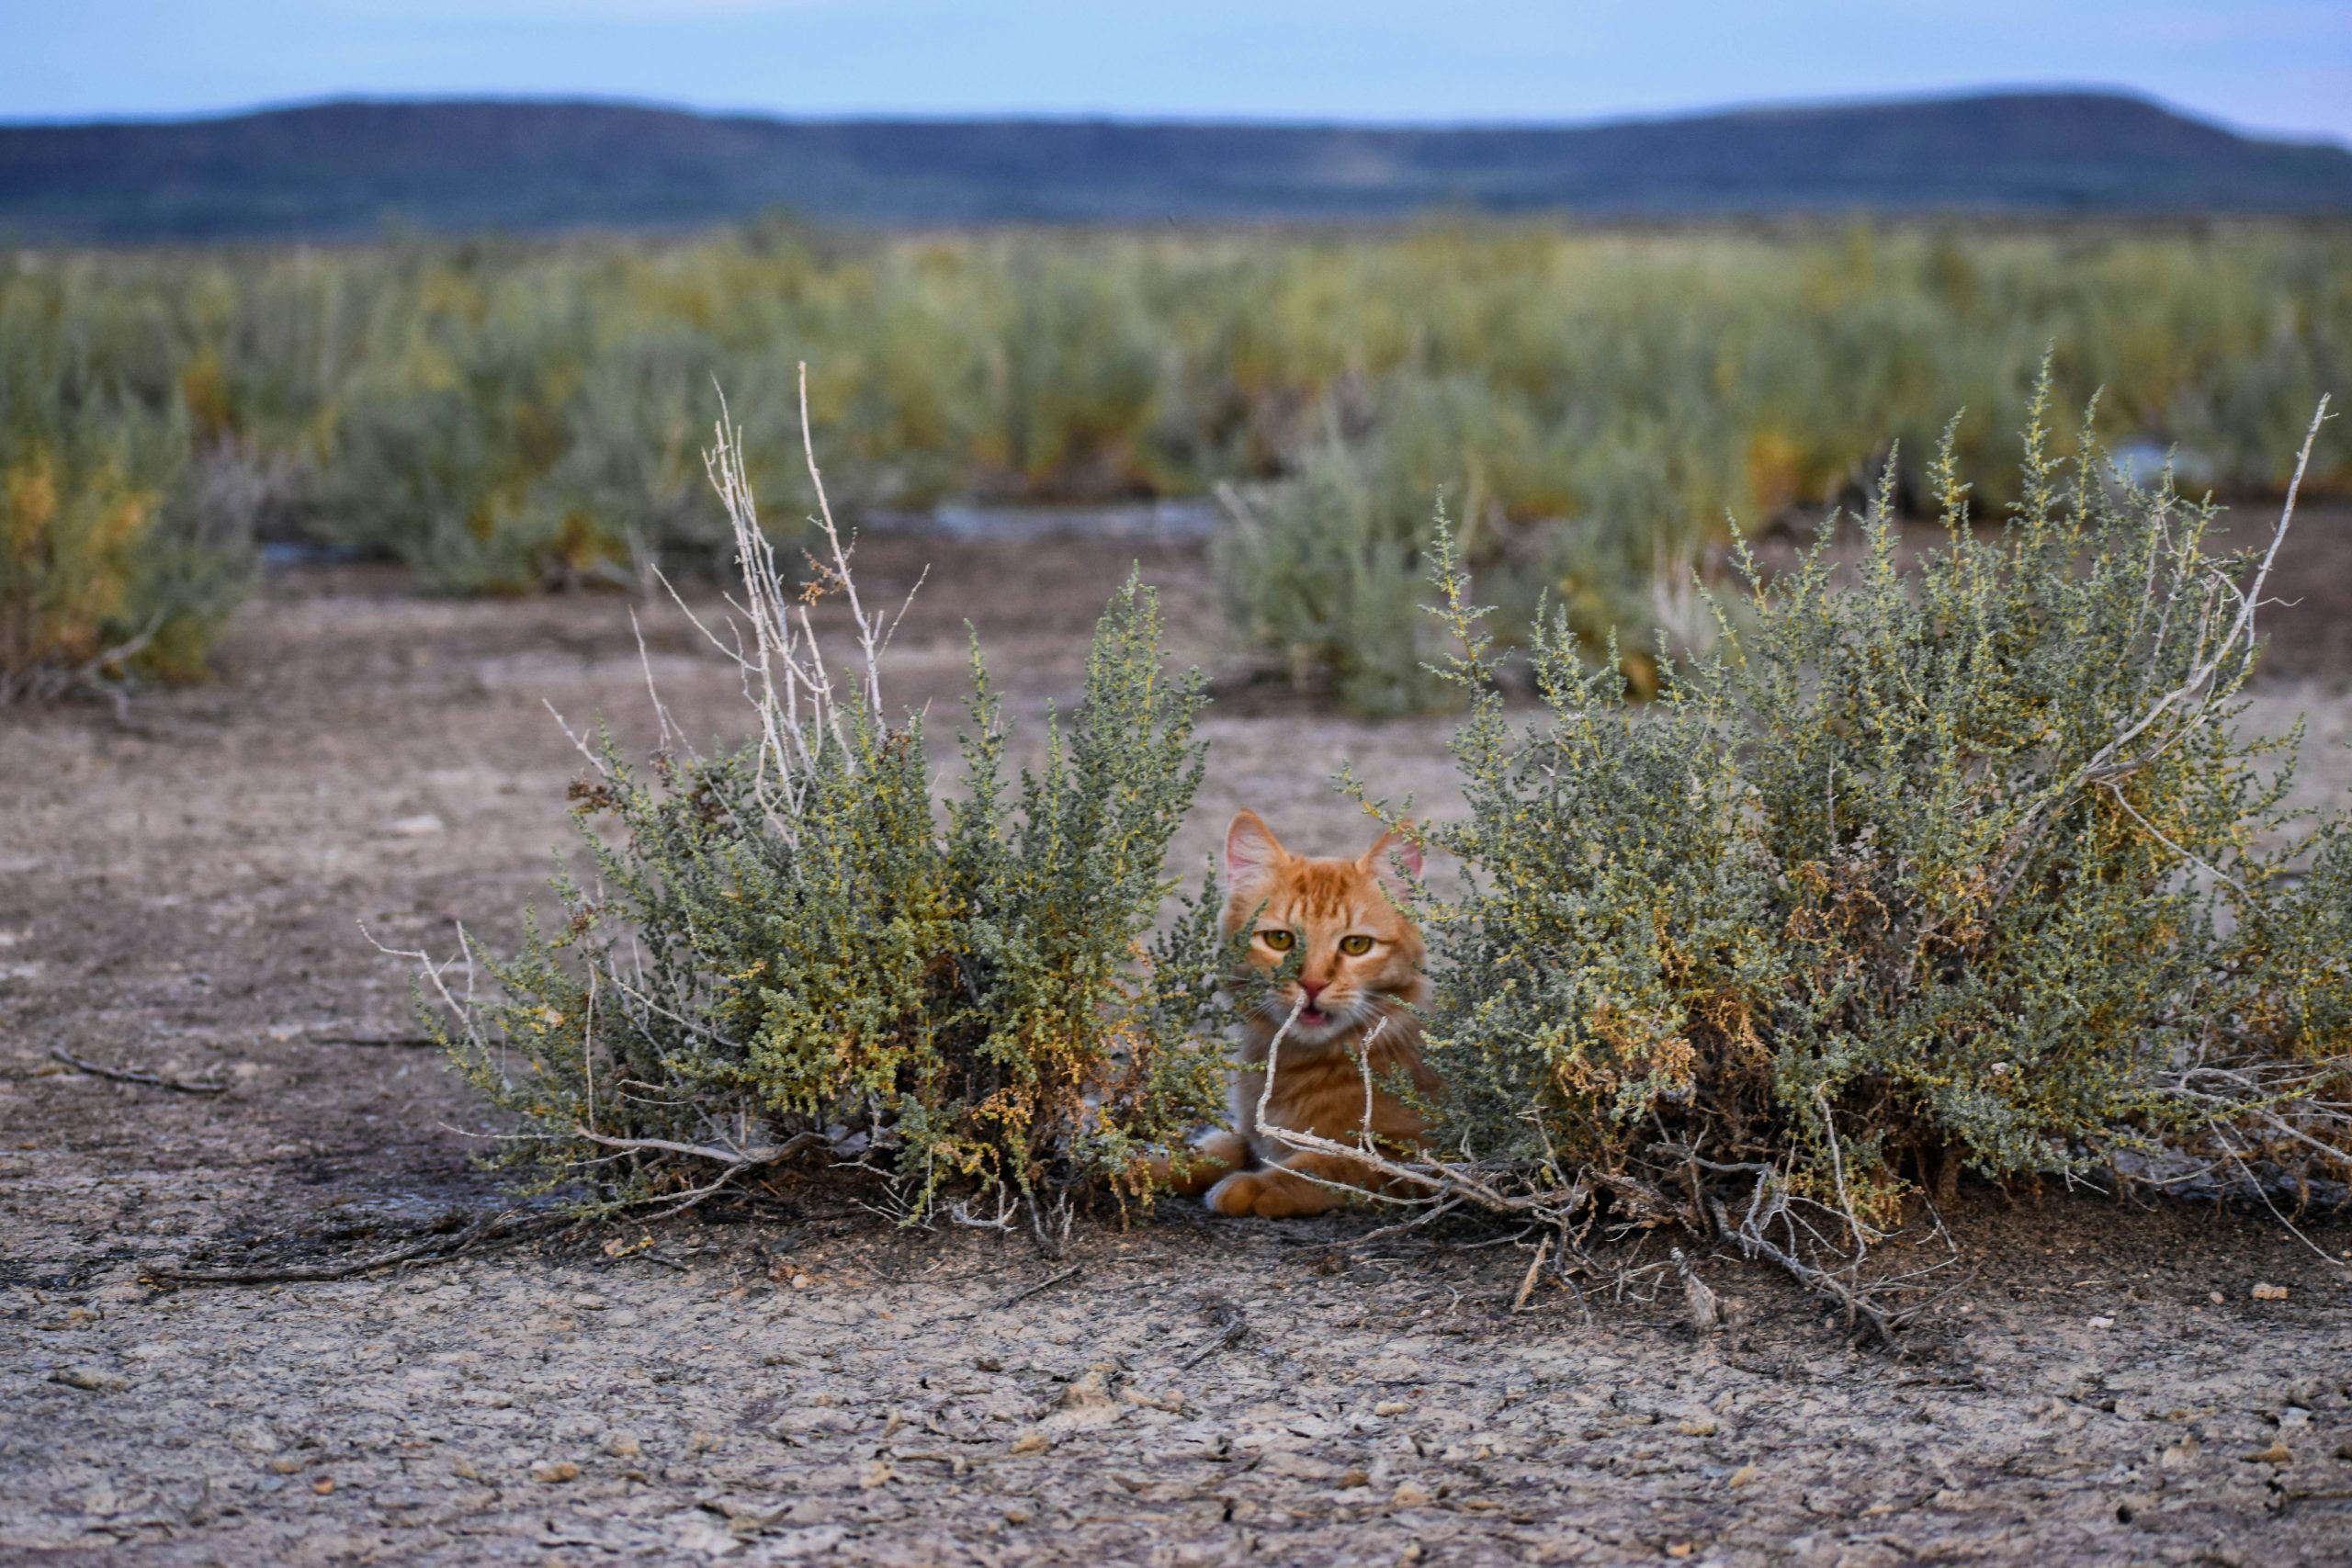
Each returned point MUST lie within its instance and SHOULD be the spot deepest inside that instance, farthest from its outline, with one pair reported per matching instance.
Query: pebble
(1411, 1494)
(553, 1470)
(92, 1380)
(2265, 1292)
(623, 1445)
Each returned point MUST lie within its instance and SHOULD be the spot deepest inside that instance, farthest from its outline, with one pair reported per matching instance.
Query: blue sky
(2271, 65)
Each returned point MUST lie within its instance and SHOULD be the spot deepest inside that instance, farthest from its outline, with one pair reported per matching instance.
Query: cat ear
(1392, 854)
(1250, 850)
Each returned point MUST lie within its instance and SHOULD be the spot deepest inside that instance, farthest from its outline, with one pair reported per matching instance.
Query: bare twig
(1534, 1269)
(1072, 1272)
(1235, 1330)
(1701, 1304)
(420, 1041)
(131, 1075)
(758, 1154)
(433, 1249)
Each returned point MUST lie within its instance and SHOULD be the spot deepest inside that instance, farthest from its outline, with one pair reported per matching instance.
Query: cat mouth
(1314, 1018)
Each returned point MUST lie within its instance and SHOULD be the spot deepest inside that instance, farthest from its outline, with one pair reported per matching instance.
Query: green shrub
(1917, 870)
(119, 557)
(785, 948)
(1326, 571)
(507, 414)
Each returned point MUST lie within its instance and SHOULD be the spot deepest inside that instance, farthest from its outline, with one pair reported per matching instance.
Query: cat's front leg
(1218, 1156)
(1284, 1190)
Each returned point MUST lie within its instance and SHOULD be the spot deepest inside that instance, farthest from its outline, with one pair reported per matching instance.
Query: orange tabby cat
(1359, 975)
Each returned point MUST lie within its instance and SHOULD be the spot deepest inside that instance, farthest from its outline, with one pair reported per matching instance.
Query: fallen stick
(421, 1040)
(1072, 1272)
(1237, 1328)
(1527, 1286)
(128, 1074)
(433, 1248)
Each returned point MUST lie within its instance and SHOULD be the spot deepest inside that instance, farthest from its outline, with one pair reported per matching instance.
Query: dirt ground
(181, 890)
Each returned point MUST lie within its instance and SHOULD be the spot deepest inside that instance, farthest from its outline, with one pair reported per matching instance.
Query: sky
(2272, 66)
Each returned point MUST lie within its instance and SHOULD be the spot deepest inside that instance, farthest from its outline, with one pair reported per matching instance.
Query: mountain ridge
(345, 168)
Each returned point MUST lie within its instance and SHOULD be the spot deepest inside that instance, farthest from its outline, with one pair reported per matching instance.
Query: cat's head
(1341, 918)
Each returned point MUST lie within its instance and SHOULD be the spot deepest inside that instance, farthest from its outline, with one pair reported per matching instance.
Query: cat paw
(1234, 1196)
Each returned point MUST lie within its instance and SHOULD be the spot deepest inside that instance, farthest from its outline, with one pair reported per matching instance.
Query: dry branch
(1072, 1272)
(503, 1226)
(131, 1075)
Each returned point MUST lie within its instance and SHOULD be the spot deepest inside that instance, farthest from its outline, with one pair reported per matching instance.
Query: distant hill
(347, 168)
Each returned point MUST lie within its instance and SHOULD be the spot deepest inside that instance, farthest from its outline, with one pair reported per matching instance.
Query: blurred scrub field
(1588, 407)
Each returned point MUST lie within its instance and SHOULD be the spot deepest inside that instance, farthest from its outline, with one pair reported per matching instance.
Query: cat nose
(1313, 989)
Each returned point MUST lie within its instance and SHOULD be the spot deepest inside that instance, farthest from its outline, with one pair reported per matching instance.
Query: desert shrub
(119, 555)
(505, 414)
(1326, 570)
(1954, 865)
(786, 948)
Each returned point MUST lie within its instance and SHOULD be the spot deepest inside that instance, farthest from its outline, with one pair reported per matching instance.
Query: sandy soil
(180, 890)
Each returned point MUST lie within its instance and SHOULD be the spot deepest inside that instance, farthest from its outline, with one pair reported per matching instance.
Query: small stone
(283, 1465)
(2274, 1454)
(1353, 1478)
(91, 1379)
(323, 1485)
(1411, 1494)
(1697, 1426)
(553, 1470)
(801, 1281)
(2265, 1292)
(622, 1445)
(1746, 1475)
(417, 826)
(879, 1473)
(1678, 1549)
(2102, 1322)
(2214, 1296)
(588, 1301)
(1032, 1443)
(1390, 1408)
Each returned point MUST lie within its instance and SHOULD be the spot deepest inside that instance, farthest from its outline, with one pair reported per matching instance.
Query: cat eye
(1280, 940)
(1355, 946)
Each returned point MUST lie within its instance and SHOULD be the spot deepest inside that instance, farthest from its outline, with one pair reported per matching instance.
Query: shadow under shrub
(787, 953)
(1953, 866)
